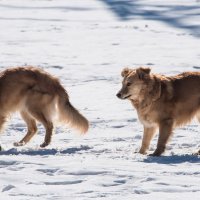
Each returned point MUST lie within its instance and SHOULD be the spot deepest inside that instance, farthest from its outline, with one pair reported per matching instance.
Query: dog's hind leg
(41, 106)
(2, 121)
(32, 128)
(41, 117)
(147, 137)
(198, 116)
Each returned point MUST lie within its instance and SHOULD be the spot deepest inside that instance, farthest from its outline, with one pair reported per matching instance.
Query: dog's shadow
(44, 152)
(173, 159)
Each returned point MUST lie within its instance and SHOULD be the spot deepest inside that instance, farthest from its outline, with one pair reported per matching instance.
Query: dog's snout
(119, 95)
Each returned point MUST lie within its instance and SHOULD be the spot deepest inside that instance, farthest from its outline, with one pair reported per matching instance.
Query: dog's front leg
(165, 131)
(147, 137)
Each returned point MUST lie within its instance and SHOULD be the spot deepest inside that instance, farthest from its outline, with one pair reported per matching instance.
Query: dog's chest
(147, 119)
(146, 114)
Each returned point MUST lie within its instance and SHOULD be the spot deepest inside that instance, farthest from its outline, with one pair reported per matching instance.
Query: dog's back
(17, 83)
(186, 85)
(186, 96)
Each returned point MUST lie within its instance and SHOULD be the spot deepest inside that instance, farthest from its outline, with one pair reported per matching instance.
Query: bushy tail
(69, 114)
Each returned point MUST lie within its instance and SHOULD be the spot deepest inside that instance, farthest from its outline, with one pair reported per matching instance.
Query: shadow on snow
(173, 159)
(43, 152)
(173, 15)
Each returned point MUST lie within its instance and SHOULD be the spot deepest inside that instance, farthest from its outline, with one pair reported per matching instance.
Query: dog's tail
(69, 114)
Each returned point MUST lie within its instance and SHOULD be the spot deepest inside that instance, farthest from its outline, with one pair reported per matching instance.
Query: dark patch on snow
(196, 67)
(57, 67)
(7, 163)
(118, 126)
(8, 187)
(149, 64)
(174, 159)
(88, 173)
(43, 152)
(130, 10)
(63, 182)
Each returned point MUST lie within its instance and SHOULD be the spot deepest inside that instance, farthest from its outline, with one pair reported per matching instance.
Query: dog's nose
(119, 95)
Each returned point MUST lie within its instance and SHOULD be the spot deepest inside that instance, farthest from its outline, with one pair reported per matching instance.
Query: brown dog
(162, 102)
(38, 96)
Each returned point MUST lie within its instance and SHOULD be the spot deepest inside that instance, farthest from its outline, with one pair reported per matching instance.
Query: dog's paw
(196, 154)
(142, 151)
(44, 144)
(155, 153)
(18, 144)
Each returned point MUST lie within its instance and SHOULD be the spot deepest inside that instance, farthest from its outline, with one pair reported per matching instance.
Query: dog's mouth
(127, 97)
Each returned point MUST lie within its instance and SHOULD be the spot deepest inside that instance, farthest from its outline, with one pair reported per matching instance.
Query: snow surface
(86, 43)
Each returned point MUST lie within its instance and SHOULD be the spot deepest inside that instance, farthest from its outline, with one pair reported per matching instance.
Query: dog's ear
(142, 72)
(125, 72)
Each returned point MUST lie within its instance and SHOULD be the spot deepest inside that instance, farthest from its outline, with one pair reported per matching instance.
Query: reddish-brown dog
(162, 102)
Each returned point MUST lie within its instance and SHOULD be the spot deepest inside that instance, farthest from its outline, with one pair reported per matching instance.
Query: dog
(38, 96)
(162, 102)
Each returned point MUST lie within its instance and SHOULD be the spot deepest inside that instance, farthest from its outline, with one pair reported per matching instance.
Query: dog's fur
(38, 96)
(162, 102)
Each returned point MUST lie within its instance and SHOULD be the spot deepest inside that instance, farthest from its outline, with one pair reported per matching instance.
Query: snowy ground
(86, 43)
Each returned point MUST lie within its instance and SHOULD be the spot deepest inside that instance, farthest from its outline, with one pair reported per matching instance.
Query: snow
(86, 44)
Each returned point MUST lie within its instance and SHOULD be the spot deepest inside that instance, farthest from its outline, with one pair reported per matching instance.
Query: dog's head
(134, 81)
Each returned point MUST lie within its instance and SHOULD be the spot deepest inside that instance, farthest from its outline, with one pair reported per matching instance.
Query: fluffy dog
(162, 102)
(38, 96)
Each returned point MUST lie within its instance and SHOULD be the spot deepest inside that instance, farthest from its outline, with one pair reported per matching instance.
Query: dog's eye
(129, 83)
